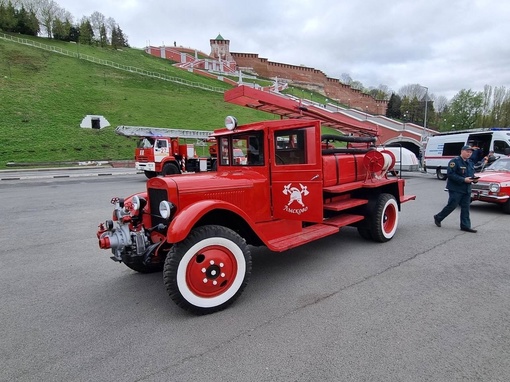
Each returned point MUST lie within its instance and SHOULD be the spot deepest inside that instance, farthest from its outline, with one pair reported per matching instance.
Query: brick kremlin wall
(312, 79)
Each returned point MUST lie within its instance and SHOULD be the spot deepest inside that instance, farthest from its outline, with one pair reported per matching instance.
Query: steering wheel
(279, 158)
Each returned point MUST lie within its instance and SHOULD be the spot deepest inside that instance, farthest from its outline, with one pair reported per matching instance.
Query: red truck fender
(186, 219)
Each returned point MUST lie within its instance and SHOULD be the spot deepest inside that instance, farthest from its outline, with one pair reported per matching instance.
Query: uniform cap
(467, 147)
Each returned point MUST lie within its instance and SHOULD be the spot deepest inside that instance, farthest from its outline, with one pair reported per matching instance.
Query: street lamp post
(425, 114)
(424, 133)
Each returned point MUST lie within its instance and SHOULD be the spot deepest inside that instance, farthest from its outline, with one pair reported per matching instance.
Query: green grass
(44, 96)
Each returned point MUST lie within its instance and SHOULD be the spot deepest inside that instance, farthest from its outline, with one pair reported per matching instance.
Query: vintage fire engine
(160, 151)
(293, 188)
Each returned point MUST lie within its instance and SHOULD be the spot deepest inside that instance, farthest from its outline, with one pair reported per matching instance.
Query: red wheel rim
(211, 271)
(389, 218)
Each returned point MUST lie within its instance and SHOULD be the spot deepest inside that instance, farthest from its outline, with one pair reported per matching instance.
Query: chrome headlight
(165, 209)
(494, 187)
(135, 201)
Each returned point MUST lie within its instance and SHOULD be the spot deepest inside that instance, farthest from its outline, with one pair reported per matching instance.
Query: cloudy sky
(445, 45)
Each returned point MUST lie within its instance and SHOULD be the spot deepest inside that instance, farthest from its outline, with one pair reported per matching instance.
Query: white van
(441, 148)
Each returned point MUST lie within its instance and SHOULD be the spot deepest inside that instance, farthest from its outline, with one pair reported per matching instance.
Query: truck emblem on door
(295, 195)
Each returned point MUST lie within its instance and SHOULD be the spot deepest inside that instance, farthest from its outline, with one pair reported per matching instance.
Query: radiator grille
(480, 186)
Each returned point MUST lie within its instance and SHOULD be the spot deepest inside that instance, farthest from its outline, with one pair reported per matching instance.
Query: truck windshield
(145, 143)
(247, 149)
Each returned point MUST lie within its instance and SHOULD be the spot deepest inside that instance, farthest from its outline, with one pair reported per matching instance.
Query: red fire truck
(160, 151)
(293, 188)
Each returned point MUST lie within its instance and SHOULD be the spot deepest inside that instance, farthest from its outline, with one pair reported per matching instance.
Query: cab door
(296, 171)
(161, 150)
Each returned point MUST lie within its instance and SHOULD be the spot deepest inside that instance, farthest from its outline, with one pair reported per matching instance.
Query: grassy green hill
(45, 95)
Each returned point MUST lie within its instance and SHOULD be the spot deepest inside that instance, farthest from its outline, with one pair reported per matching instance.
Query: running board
(406, 198)
(344, 204)
(317, 231)
(343, 220)
(306, 235)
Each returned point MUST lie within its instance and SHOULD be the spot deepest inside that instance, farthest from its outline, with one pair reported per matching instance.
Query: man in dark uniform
(477, 155)
(460, 176)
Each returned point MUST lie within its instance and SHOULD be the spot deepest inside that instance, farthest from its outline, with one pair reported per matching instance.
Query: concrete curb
(65, 172)
(27, 177)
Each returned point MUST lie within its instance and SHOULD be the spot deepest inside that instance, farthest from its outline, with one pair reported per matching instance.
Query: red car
(494, 184)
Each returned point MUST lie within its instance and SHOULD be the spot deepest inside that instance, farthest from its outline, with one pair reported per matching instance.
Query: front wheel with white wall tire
(207, 271)
(384, 219)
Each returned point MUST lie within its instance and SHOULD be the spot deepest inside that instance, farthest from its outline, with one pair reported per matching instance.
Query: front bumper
(147, 166)
(487, 196)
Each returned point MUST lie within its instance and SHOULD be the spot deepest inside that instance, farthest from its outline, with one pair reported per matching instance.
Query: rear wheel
(365, 233)
(385, 218)
(440, 175)
(207, 271)
(170, 169)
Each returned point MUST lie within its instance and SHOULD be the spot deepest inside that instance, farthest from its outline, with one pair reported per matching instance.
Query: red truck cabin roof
(280, 124)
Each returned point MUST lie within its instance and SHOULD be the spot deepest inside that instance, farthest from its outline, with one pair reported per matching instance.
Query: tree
(47, 14)
(8, 21)
(28, 22)
(58, 30)
(381, 92)
(410, 107)
(86, 32)
(356, 85)
(464, 109)
(103, 39)
(346, 79)
(97, 20)
(110, 25)
(74, 33)
(384, 92)
(123, 40)
(440, 104)
(502, 100)
(393, 110)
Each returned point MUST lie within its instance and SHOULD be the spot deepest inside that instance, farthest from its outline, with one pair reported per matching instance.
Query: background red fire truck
(162, 151)
(293, 188)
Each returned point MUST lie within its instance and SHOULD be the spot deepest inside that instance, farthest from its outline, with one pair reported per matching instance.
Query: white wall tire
(208, 270)
(385, 218)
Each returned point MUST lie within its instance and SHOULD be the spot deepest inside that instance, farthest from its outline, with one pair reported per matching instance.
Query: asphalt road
(433, 304)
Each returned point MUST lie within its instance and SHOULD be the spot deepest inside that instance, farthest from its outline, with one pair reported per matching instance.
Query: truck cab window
(162, 143)
(242, 150)
(452, 149)
(500, 146)
(290, 147)
(255, 153)
(145, 143)
(224, 152)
